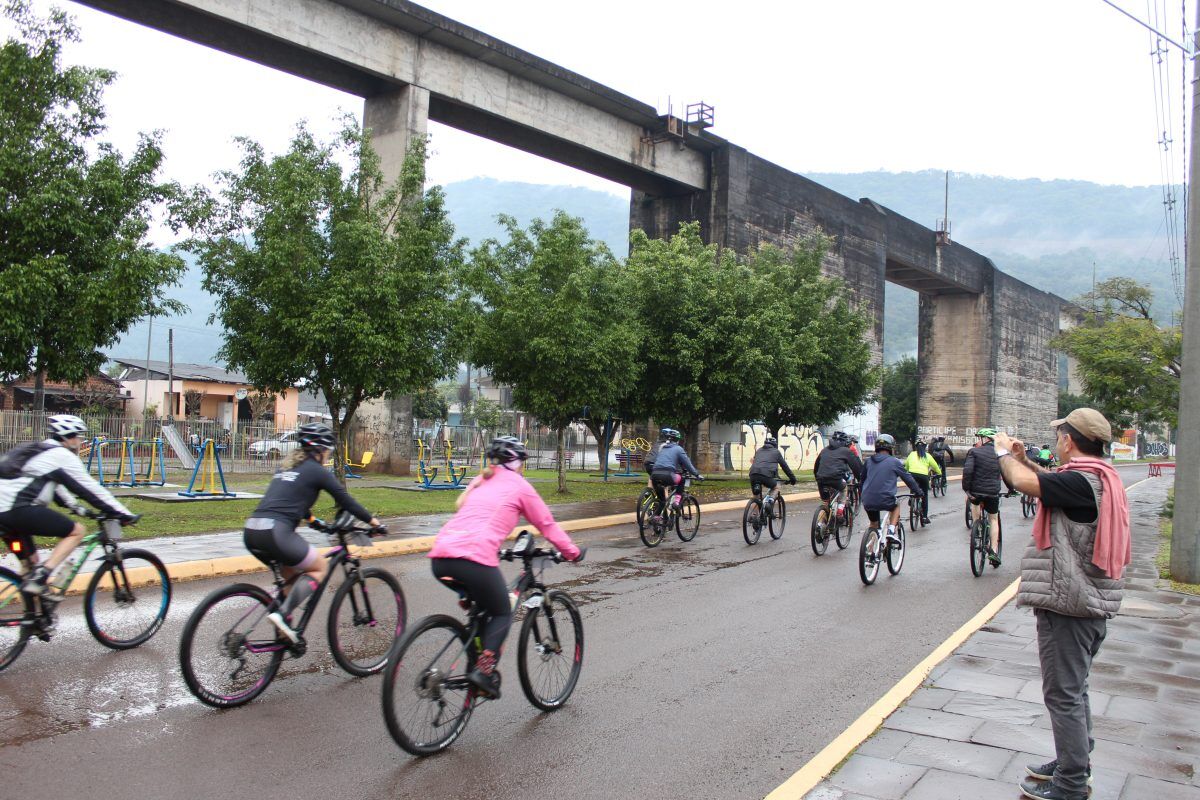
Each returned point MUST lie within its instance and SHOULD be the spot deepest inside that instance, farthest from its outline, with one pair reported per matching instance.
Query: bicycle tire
(687, 519)
(817, 531)
(914, 513)
(1024, 507)
(16, 607)
(541, 646)
(970, 521)
(430, 642)
(244, 603)
(868, 563)
(978, 548)
(752, 521)
(645, 502)
(118, 624)
(372, 621)
(650, 535)
(845, 529)
(778, 519)
(895, 554)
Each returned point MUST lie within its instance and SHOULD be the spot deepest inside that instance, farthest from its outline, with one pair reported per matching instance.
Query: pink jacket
(489, 514)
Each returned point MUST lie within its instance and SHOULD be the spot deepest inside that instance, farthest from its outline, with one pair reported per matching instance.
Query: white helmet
(64, 426)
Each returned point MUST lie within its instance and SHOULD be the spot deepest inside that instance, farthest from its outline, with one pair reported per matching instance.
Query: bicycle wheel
(426, 698)
(127, 600)
(914, 513)
(845, 529)
(778, 519)
(752, 521)
(979, 539)
(550, 652)
(15, 607)
(819, 530)
(1024, 507)
(645, 502)
(365, 617)
(895, 553)
(967, 512)
(229, 651)
(687, 519)
(868, 555)
(652, 533)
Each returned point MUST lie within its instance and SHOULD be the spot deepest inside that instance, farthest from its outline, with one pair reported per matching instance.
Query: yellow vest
(921, 466)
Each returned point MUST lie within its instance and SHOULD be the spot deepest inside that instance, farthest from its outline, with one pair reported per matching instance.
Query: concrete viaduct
(984, 337)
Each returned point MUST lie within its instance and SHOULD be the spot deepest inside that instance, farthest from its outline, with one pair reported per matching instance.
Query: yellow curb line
(823, 763)
(243, 565)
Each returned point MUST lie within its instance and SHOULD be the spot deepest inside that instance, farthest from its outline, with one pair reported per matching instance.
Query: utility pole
(170, 415)
(146, 385)
(1185, 535)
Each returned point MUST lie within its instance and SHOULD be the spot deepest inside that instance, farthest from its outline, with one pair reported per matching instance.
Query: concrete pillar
(395, 119)
(954, 357)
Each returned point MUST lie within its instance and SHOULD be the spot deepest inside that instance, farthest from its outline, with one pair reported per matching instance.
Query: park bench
(567, 456)
(629, 459)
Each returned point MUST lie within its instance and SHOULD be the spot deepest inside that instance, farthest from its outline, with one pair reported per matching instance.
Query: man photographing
(1071, 576)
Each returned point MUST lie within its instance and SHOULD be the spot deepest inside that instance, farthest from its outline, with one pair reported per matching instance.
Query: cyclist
(833, 464)
(942, 452)
(670, 467)
(34, 474)
(465, 554)
(879, 476)
(854, 448)
(1045, 456)
(920, 464)
(764, 470)
(981, 480)
(270, 532)
(650, 459)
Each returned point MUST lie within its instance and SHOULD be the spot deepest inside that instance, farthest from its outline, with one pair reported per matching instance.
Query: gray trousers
(1066, 647)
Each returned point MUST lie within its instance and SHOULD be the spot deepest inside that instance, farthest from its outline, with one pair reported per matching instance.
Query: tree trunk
(39, 389)
(691, 438)
(562, 460)
(340, 444)
(602, 446)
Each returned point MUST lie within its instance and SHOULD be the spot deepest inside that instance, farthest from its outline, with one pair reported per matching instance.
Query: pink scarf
(1113, 547)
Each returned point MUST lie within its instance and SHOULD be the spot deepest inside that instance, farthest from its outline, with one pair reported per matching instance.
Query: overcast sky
(1023, 89)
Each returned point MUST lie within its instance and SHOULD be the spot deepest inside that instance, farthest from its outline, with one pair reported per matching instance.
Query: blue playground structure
(136, 465)
(208, 470)
(453, 476)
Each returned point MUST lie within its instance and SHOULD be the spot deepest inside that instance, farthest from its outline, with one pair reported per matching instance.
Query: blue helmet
(670, 434)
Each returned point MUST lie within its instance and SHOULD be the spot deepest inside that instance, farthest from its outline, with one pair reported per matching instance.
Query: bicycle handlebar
(324, 527)
(101, 516)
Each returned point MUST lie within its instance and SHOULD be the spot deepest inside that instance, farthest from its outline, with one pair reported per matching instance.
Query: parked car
(274, 448)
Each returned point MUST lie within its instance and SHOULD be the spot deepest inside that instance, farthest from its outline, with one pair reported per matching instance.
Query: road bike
(769, 511)
(125, 601)
(427, 698)
(682, 513)
(834, 518)
(875, 549)
(1029, 506)
(981, 540)
(229, 652)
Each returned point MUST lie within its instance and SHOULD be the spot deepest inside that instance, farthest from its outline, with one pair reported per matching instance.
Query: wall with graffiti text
(800, 445)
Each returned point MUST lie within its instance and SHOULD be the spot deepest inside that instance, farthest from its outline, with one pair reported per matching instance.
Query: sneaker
(488, 685)
(35, 581)
(1049, 791)
(892, 537)
(1044, 772)
(282, 625)
(924, 520)
(993, 559)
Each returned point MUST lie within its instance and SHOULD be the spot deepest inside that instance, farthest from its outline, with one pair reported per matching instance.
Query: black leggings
(923, 482)
(485, 587)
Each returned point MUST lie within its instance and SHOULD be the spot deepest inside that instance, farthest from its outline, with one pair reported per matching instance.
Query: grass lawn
(1163, 561)
(169, 519)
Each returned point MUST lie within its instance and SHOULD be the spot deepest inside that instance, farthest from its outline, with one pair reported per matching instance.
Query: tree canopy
(898, 401)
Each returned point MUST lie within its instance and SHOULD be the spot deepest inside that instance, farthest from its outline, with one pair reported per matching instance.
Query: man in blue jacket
(880, 473)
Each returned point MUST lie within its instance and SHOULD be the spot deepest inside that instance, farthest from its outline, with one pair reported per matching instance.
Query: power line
(1147, 26)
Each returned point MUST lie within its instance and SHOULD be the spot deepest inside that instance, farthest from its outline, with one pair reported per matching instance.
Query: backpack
(12, 465)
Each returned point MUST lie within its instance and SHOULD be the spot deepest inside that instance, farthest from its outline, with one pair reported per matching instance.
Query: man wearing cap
(1071, 576)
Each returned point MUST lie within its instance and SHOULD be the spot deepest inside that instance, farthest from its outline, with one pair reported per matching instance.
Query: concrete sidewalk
(978, 719)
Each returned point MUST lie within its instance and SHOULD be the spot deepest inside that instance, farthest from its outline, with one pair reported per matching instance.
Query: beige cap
(1088, 421)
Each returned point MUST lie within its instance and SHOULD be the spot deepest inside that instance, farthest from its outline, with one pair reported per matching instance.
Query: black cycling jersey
(292, 492)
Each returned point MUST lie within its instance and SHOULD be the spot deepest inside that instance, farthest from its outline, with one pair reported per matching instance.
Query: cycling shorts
(990, 504)
(36, 521)
(273, 541)
(666, 478)
(874, 513)
(759, 481)
(828, 489)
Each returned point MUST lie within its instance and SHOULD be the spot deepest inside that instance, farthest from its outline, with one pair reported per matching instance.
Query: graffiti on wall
(799, 444)
(1158, 449)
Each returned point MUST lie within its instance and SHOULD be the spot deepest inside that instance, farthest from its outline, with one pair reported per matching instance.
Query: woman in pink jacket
(467, 547)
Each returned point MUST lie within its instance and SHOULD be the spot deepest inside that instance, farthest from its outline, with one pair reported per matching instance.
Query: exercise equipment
(454, 474)
(208, 470)
(136, 465)
(428, 474)
(350, 466)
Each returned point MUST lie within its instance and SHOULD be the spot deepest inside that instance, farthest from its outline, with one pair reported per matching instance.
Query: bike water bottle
(841, 512)
(513, 597)
(61, 579)
(675, 501)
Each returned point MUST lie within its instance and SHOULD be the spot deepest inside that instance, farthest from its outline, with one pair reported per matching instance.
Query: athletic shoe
(488, 685)
(993, 559)
(281, 624)
(1044, 772)
(1049, 791)
(35, 581)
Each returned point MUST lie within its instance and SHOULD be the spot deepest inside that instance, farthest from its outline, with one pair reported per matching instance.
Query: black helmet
(839, 437)
(671, 434)
(315, 436)
(504, 449)
(920, 443)
(885, 442)
(771, 441)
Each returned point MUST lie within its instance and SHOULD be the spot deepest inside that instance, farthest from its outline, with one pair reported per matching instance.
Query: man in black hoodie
(764, 470)
(833, 464)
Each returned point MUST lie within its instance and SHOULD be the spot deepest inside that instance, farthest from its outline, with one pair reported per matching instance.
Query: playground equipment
(136, 465)
(351, 466)
(630, 450)
(453, 474)
(427, 473)
(208, 470)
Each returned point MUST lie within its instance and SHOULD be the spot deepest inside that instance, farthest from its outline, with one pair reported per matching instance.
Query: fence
(468, 444)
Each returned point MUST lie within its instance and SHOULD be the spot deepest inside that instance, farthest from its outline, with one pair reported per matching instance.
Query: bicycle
(937, 483)
(826, 516)
(917, 511)
(645, 508)
(683, 516)
(125, 601)
(427, 667)
(981, 541)
(770, 511)
(1029, 506)
(229, 651)
(875, 549)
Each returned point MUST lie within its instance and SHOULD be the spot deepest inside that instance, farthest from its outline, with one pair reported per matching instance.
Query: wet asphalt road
(711, 669)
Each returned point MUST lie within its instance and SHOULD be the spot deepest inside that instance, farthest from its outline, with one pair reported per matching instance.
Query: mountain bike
(827, 521)
(1029, 506)
(645, 508)
(937, 484)
(769, 511)
(981, 541)
(125, 601)
(874, 548)
(917, 511)
(229, 651)
(427, 699)
(683, 516)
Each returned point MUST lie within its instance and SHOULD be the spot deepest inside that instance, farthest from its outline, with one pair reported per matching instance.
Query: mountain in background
(1050, 234)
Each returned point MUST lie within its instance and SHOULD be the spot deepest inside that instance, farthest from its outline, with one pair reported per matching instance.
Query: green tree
(1068, 402)
(555, 325)
(1128, 365)
(339, 281)
(77, 270)
(428, 403)
(898, 400)
(485, 413)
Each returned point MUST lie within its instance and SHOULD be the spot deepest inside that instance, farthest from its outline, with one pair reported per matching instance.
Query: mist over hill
(1050, 234)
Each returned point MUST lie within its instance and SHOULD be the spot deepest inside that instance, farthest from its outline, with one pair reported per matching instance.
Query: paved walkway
(978, 720)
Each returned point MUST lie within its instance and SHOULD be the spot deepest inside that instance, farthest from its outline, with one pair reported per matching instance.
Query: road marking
(820, 765)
